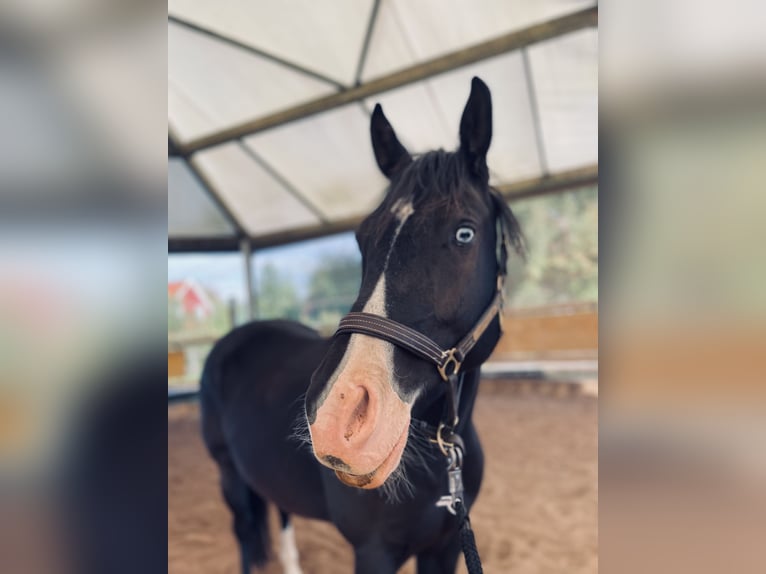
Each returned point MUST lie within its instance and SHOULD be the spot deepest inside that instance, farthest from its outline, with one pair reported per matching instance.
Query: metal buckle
(450, 359)
(454, 480)
(444, 446)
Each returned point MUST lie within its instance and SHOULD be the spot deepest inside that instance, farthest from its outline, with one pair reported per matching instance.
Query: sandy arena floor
(536, 513)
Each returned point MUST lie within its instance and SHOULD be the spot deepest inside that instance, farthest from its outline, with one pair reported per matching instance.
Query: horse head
(430, 262)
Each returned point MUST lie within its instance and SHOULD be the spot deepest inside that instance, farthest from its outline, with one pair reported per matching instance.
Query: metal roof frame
(258, 52)
(517, 40)
(207, 187)
(510, 42)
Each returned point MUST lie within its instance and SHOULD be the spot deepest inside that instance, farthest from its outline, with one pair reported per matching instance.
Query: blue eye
(464, 235)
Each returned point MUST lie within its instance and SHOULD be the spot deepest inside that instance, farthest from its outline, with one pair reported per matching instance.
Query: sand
(536, 512)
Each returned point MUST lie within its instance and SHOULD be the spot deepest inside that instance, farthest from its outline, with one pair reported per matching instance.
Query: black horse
(432, 253)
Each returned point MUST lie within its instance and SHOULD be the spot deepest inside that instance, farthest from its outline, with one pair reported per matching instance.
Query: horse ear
(476, 129)
(389, 153)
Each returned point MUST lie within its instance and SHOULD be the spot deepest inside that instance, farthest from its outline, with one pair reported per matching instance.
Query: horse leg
(288, 551)
(250, 510)
(440, 560)
(250, 519)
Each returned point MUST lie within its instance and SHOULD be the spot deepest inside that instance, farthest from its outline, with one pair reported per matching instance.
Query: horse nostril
(359, 415)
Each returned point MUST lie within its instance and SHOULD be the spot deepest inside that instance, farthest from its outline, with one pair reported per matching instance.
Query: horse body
(433, 264)
(250, 376)
(251, 391)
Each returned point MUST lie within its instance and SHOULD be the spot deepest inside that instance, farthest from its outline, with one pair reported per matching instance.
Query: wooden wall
(553, 332)
(176, 363)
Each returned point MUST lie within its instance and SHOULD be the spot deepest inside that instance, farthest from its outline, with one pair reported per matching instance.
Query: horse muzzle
(360, 430)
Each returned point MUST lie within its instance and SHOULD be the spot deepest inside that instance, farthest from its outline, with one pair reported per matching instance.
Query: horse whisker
(300, 431)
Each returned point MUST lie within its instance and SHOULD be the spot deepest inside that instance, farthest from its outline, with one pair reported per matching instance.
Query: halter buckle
(444, 446)
(449, 501)
(449, 359)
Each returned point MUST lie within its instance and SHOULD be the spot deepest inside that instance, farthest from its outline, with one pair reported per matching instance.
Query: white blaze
(402, 209)
(362, 348)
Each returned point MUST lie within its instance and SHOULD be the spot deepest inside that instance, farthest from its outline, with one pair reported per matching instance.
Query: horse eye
(464, 235)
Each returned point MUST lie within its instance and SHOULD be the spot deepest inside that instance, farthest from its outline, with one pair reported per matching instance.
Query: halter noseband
(449, 361)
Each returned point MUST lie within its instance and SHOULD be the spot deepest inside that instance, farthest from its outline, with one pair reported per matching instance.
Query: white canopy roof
(268, 104)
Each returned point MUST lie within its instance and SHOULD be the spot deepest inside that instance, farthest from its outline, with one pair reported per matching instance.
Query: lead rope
(453, 501)
(453, 448)
(468, 541)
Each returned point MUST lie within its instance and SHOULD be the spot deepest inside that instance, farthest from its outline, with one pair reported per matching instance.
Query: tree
(276, 296)
(562, 233)
(333, 286)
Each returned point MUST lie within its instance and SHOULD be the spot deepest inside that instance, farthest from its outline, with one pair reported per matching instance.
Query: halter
(447, 361)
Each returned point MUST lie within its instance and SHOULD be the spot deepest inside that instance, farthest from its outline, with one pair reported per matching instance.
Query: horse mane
(434, 170)
(512, 230)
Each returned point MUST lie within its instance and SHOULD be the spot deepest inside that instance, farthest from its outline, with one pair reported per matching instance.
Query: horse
(342, 429)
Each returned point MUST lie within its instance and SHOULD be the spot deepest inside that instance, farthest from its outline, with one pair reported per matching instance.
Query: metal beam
(207, 187)
(173, 150)
(533, 187)
(216, 199)
(554, 183)
(304, 233)
(282, 180)
(534, 110)
(247, 260)
(248, 48)
(500, 45)
(366, 43)
(203, 245)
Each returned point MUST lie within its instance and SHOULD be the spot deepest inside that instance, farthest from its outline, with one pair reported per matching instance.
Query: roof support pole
(552, 183)
(247, 259)
(366, 44)
(534, 109)
(206, 185)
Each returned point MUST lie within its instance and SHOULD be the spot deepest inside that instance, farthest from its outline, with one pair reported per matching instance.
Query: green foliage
(562, 234)
(332, 288)
(276, 295)
(220, 320)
